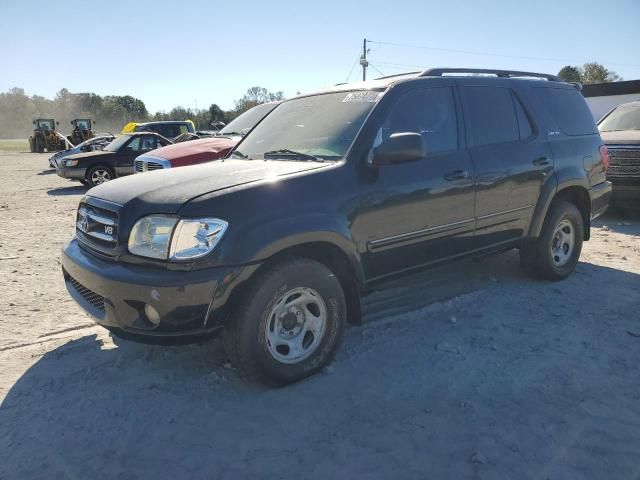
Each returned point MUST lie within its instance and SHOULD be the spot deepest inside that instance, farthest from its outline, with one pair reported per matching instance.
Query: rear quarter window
(568, 109)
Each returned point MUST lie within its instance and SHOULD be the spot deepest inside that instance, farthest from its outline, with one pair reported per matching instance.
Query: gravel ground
(466, 371)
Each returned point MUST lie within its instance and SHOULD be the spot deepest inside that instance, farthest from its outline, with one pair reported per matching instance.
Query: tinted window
(490, 115)
(568, 109)
(430, 112)
(523, 120)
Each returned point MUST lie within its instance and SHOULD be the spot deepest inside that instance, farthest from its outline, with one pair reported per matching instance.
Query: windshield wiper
(229, 134)
(286, 152)
(240, 154)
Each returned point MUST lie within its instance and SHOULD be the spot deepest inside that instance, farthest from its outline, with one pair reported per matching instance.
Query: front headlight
(162, 237)
(194, 238)
(151, 235)
(70, 163)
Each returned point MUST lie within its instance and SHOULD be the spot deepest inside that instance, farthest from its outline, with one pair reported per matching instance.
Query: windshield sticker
(367, 96)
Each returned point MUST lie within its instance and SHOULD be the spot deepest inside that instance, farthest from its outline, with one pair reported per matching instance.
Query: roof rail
(397, 75)
(439, 72)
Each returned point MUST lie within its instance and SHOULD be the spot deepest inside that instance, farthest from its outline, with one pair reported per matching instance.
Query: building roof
(613, 88)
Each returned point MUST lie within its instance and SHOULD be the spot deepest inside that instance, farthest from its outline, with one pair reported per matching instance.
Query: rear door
(511, 158)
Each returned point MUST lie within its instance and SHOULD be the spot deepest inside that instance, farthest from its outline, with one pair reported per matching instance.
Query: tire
(98, 175)
(32, 145)
(555, 253)
(260, 350)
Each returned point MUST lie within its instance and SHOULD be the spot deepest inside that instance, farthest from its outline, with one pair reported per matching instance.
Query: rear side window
(569, 110)
(490, 115)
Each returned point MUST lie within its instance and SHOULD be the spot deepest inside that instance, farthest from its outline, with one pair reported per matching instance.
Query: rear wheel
(289, 323)
(555, 253)
(98, 175)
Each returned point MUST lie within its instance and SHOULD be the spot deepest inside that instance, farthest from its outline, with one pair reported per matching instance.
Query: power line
(353, 66)
(376, 69)
(489, 54)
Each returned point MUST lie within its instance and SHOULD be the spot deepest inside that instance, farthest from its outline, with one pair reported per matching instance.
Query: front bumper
(115, 294)
(71, 172)
(600, 198)
(626, 194)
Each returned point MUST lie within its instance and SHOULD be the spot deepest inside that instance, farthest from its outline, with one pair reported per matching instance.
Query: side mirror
(399, 148)
(57, 123)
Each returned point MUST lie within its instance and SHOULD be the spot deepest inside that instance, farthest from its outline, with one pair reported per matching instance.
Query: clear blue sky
(179, 53)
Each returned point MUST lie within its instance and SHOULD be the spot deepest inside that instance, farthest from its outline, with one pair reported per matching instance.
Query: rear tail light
(604, 156)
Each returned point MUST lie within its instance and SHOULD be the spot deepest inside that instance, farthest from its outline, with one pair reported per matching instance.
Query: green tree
(594, 72)
(570, 74)
(254, 96)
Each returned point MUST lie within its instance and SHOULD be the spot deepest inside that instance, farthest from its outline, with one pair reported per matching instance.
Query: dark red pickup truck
(204, 149)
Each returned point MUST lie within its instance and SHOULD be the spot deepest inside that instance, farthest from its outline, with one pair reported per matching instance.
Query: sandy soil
(466, 371)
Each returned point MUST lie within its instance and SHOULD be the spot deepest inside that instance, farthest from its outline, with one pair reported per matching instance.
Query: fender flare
(555, 184)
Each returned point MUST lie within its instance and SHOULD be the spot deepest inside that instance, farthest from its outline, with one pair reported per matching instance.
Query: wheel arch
(348, 272)
(573, 189)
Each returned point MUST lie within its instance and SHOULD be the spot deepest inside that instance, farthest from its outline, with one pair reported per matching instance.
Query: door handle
(539, 162)
(456, 175)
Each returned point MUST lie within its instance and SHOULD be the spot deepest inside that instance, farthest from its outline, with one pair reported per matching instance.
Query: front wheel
(555, 253)
(289, 323)
(98, 175)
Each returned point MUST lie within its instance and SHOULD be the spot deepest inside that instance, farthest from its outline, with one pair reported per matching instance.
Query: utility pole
(363, 60)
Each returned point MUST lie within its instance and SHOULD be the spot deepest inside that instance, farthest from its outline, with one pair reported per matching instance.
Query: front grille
(624, 161)
(624, 155)
(140, 166)
(153, 166)
(92, 297)
(623, 171)
(97, 228)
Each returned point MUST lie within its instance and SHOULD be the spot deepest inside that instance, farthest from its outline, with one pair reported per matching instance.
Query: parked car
(333, 193)
(91, 145)
(620, 130)
(205, 149)
(115, 160)
(168, 129)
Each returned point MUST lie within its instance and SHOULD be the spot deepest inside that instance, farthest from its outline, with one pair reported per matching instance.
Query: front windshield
(622, 118)
(247, 120)
(83, 124)
(320, 126)
(117, 143)
(45, 124)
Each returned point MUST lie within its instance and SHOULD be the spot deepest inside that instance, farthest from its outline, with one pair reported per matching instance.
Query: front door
(423, 210)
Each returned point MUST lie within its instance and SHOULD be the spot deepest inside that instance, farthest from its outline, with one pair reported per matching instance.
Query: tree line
(111, 112)
(591, 72)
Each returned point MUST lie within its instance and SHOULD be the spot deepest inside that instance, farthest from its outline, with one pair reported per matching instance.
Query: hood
(165, 191)
(94, 154)
(196, 151)
(623, 137)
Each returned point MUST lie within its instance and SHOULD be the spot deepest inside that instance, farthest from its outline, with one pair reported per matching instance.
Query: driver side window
(431, 112)
(134, 145)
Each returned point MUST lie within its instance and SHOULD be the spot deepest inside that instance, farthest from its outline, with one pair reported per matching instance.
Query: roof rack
(439, 72)
(396, 75)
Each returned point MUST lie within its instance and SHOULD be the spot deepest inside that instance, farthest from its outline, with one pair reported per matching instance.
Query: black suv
(332, 193)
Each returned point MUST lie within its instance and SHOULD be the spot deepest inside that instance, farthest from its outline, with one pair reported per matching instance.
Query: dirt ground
(466, 371)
